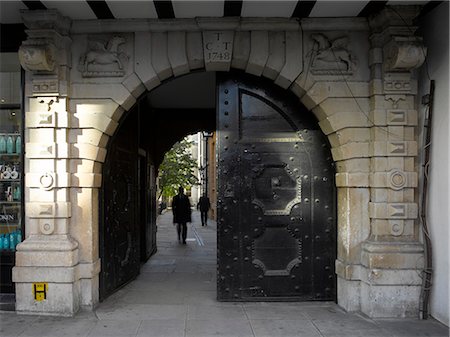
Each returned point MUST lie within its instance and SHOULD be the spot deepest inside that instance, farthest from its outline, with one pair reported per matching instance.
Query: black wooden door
(276, 196)
(119, 232)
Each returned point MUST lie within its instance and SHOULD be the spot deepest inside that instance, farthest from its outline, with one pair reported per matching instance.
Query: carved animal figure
(332, 51)
(101, 54)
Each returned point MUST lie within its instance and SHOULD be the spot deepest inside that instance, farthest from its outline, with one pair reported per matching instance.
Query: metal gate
(119, 226)
(276, 196)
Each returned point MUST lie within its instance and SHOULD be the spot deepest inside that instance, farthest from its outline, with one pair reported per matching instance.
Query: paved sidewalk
(174, 296)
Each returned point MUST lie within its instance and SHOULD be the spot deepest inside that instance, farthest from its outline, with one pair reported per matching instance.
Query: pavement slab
(175, 296)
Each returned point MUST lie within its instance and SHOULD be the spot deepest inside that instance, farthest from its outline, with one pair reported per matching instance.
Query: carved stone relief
(104, 58)
(404, 54)
(331, 56)
(37, 58)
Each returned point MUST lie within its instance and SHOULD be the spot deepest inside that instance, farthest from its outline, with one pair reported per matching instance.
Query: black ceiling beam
(164, 9)
(428, 8)
(303, 9)
(232, 7)
(101, 9)
(372, 7)
(33, 5)
(11, 37)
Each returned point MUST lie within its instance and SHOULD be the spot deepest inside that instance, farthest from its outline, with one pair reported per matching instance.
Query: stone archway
(354, 76)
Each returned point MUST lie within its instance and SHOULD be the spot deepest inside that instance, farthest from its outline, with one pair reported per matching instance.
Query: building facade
(357, 76)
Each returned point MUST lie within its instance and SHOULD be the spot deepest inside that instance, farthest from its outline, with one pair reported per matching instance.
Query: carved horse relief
(331, 56)
(104, 59)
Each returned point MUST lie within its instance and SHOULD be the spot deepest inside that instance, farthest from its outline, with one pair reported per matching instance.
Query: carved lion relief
(104, 58)
(331, 57)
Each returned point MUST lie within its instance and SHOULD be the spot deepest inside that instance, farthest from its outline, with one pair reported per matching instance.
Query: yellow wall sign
(40, 291)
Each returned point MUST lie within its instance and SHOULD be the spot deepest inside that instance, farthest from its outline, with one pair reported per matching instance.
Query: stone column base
(52, 261)
(391, 279)
(400, 301)
(62, 299)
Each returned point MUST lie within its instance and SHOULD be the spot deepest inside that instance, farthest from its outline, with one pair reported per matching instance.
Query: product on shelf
(2, 144)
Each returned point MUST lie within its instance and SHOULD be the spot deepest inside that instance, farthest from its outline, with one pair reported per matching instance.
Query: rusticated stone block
(293, 65)
(352, 179)
(343, 120)
(393, 210)
(86, 180)
(176, 49)
(353, 165)
(259, 52)
(85, 166)
(241, 50)
(88, 136)
(37, 209)
(117, 92)
(218, 50)
(377, 300)
(134, 85)
(40, 150)
(353, 223)
(94, 120)
(321, 91)
(105, 106)
(143, 60)
(194, 50)
(350, 150)
(47, 180)
(394, 148)
(159, 57)
(87, 151)
(392, 255)
(349, 135)
(63, 299)
(277, 55)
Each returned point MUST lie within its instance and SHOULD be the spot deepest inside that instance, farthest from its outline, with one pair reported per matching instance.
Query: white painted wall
(435, 30)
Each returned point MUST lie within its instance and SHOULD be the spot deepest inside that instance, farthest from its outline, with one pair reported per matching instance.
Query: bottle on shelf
(16, 193)
(18, 144)
(9, 145)
(19, 236)
(9, 196)
(12, 240)
(5, 242)
(1, 242)
(14, 173)
(2, 144)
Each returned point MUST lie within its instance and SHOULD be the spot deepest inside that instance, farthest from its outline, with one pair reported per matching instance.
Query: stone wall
(356, 78)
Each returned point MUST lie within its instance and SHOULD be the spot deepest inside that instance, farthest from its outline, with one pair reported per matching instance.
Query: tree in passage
(177, 169)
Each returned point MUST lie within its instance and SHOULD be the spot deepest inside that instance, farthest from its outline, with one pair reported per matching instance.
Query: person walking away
(204, 205)
(181, 208)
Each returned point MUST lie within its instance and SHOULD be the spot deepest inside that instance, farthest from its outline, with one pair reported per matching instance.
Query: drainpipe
(428, 267)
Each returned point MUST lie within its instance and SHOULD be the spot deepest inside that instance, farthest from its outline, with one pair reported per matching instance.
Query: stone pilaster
(49, 254)
(393, 256)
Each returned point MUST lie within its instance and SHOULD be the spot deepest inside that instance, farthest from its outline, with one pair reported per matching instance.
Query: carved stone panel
(104, 57)
(331, 56)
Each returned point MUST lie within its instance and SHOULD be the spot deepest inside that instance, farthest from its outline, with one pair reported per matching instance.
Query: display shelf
(8, 251)
(10, 155)
(10, 202)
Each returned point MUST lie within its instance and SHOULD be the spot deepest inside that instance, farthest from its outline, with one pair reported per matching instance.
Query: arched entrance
(276, 196)
(366, 108)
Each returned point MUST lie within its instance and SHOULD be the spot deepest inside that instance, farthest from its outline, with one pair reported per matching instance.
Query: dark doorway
(276, 196)
(276, 192)
(119, 222)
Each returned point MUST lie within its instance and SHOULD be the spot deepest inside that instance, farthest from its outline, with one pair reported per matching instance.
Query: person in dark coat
(181, 208)
(204, 205)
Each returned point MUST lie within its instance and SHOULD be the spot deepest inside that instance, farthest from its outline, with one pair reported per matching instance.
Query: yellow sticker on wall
(40, 291)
